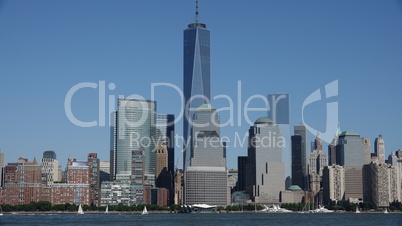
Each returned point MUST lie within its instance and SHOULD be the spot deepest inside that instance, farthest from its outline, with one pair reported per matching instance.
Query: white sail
(80, 211)
(357, 210)
(144, 211)
(1, 211)
(107, 210)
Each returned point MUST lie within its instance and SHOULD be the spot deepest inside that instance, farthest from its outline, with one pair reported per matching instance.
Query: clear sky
(296, 47)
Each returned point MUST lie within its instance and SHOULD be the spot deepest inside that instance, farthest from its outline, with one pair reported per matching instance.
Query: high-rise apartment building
(196, 77)
(205, 179)
(381, 184)
(333, 181)
(265, 171)
(134, 129)
(50, 167)
(22, 183)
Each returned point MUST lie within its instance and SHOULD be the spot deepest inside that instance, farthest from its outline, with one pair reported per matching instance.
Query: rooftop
(349, 133)
(264, 120)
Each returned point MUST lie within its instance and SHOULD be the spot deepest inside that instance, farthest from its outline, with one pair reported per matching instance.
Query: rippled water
(205, 219)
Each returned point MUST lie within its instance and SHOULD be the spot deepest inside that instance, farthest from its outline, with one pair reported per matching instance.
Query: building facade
(134, 129)
(333, 184)
(299, 156)
(205, 179)
(265, 171)
(121, 192)
(379, 149)
(381, 184)
(196, 77)
(351, 154)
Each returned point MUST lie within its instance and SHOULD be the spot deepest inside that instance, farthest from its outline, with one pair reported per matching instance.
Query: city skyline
(63, 52)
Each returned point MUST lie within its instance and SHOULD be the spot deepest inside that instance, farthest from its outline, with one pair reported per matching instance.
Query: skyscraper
(332, 147)
(317, 162)
(379, 149)
(134, 130)
(196, 76)
(299, 155)
(279, 108)
(165, 131)
(350, 153)
(265, 171)
(205, 179)
(165, 153)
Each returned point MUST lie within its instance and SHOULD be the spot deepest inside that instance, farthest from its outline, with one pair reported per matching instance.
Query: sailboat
(80, 211)
(1, 211)
(144, 211)
(386, 211)
(357, 209)
(107, 210)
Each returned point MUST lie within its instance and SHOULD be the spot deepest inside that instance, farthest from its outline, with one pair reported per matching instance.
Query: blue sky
(47, 47)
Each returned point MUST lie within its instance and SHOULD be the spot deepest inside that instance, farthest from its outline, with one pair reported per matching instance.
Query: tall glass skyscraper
(196, 76)
(134, 130)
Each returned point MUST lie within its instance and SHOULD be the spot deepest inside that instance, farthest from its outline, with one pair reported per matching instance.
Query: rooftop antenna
(196, 11)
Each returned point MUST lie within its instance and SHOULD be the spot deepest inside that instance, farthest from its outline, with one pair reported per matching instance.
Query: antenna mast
(196, 11)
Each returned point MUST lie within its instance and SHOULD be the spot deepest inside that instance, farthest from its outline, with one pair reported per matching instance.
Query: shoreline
(169, 212)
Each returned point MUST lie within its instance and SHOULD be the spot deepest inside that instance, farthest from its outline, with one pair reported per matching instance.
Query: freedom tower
(196, 77)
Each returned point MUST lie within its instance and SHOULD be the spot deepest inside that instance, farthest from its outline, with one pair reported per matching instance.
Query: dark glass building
(298, 175)
(196, 76)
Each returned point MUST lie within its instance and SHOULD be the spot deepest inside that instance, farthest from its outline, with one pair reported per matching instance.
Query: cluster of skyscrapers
(142, 166)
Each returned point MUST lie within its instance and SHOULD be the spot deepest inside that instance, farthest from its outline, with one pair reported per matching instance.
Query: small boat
(1, 211)
(80, 211)
(386, 211)
(144, 211)
(107, 210)
(357, 210)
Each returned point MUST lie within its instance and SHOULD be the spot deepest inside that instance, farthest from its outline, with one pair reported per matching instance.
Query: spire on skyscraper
(196, 11)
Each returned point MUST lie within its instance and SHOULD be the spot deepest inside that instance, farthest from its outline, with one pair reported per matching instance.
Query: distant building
(351, 154)
(318, 158)
(156, 196)
(22, 183)
(165, 132)
(121, 192)
(205, 179)
(241, 177)
(294, 194)
(94, 174)
(71, 193)
(381, 184)
(333, 181)
(317, 162)
(298, 166)
(50, 167)
(1, 159)
(379, 149)
(299, 155)
(196, 78)
(104, 169)
(138, 167)
(332, 147)
(134, 129)
(78, 172)
(279, 108)
(265, 171)
(178, 184)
